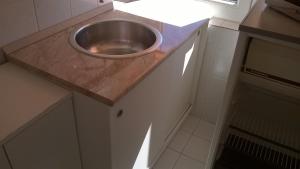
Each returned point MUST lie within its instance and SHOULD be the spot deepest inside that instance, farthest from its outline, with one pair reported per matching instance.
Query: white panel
(17, 19)
(219, 52)
(93, 130)
(228, 96)
(81, 6)
(211, 98)
(144, 111)
(218, 58)
(50, 142)
(24, 98)
(274, 59)
(51, 12)
(3, 160)
(157, 112)
(270, 85)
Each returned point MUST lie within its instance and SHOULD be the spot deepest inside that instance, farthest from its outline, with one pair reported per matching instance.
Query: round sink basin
(116, 39)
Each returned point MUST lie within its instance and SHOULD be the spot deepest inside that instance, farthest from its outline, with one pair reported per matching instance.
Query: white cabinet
(282, 60)
(49, 142)
(181, 86)
(153, 108)
(3, 160)
(37, 125)
(93, 130)
(140, 122)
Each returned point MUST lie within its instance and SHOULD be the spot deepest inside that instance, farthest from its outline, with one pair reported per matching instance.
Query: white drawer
(276, 61)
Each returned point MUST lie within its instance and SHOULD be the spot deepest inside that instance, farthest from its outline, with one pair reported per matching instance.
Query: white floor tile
(190, 124)
(167, 160)
(179, 141)
(205, 130)
(188, 163)
(197, 149)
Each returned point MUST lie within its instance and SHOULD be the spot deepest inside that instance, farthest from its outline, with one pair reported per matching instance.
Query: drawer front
(50, 142)
(274, 60)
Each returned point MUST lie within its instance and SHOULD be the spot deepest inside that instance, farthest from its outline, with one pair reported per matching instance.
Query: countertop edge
(274, 35)
(251, 21)
(71, 86)
(60, 82)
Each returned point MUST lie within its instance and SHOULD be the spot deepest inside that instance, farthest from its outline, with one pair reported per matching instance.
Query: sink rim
(152, 48)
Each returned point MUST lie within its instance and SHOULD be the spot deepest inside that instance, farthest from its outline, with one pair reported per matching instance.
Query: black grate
(241, 153)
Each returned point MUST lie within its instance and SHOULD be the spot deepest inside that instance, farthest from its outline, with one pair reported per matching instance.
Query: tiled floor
(190, 146)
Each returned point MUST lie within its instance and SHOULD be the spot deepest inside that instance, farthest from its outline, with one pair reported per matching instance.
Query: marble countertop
(265, 21)
(106, 80)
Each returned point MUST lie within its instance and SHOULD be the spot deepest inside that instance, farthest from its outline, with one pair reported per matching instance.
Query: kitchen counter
(17, 110)
(106, 80)
(265, 21)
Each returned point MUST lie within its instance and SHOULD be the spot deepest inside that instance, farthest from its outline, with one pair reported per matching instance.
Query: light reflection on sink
(116, 38)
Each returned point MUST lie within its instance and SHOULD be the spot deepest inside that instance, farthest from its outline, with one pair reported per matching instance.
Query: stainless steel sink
(116, 39)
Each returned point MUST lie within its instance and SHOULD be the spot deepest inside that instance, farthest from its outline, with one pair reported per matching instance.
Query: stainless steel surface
(116, 39)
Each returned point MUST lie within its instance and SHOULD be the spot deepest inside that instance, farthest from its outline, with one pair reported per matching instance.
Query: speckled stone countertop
(106, 80)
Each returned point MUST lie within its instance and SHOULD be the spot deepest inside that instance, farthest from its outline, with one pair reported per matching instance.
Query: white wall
(19, 18)
(221, 45)
(230, 12)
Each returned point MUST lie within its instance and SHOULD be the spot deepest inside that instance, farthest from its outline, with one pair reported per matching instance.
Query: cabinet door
(3, 160)
(142, 120)
(182, 85)
(137, 120)
(50, 142)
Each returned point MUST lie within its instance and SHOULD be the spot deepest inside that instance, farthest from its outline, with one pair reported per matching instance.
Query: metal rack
(264, 132)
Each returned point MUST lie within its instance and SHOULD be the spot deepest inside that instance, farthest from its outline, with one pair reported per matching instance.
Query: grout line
(187, 142)
(210, 139)
(174, 165)
(71, 11)
(203, 162)
(190, 137)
